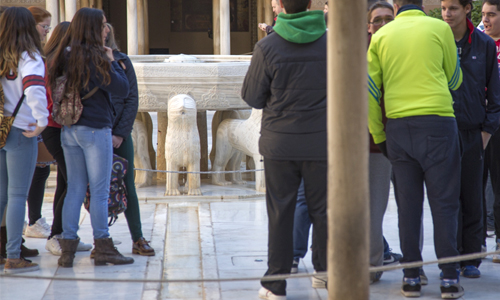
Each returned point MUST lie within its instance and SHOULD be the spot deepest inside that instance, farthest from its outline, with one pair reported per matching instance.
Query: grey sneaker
(423, 278)
(83, 247)
(319, 281)
(295, 266)
(451, 289)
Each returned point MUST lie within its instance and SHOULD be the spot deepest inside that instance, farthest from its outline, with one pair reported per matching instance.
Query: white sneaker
(83, 247)
(319, 281)
(24, 227)
(116, 242)
(53, 245)
(38, 230)
(44, 224)
(267, 294)
(496, 257)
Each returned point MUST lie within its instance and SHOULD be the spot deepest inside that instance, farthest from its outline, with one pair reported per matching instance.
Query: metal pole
(348, 195)
(132, 38)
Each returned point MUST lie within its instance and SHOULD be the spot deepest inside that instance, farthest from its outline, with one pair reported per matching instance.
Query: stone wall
(25, 3)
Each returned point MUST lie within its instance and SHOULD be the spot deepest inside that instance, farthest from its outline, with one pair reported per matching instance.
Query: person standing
(418, 58)
(287, 79)
(126, 111)
(276, 10)
(477, 120)
(87, 144)
(22, 74)
(491, 21)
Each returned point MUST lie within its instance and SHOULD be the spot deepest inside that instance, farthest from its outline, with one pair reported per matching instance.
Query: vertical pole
(62, 10)
(348, 195)
(146, 27)
(132, 42)
(99, 4)
(216, 25)
(53, 8)
(268, 12)
(140, 26)
(70, 6)
(225, 28)
(260, 18)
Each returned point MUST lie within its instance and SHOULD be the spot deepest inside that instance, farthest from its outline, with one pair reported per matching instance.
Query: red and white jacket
(29, 80)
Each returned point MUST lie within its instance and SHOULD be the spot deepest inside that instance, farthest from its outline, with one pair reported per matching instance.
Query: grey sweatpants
(380, 181)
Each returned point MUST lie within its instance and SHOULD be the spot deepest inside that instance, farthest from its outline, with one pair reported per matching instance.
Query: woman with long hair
(52, 140)
(88, 151)
(126, 111)
(22, 76)
(37, 227)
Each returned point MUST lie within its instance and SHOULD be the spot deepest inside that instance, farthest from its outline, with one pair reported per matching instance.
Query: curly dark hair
(80, 47)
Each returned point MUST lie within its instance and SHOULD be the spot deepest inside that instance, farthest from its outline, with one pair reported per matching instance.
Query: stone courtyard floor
(219, 235)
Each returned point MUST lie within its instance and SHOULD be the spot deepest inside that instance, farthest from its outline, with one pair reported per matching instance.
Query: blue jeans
(89, 156)
(17, 164)
(301, 224)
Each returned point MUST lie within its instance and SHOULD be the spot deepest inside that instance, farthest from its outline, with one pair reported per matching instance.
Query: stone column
(132, 40)
(99, 4)
(268, 12)
(84, 3)
(216, 25)
(348, 196)
(53, 8)
(146, 27)
(201, 121)
(260, 18)
(161, 164)
(140, 26)
(225, 28)
(390, 1)
(62, 11)
(70, 9)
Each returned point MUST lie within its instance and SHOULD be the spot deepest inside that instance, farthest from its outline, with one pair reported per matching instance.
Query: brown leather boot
(142, 247)
(68, 248)
(105, 252)
(27, 252)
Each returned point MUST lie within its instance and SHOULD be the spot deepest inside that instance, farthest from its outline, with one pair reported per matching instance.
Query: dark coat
(288, 81)
(478, 60)
(125, 107)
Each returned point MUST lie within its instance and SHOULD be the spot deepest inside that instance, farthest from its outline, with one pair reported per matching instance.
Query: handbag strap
(91, 93)
(18, 106)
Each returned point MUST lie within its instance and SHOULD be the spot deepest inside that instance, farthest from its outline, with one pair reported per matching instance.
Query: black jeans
(282, 183)
(470, 222)
(36, 193)
(492, 164)
(425, 149)
(52, 139)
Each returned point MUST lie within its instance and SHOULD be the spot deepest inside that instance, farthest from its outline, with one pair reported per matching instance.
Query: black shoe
(451, 289)
(411, 287)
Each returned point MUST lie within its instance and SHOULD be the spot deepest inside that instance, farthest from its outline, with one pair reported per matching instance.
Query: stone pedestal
(160, 148)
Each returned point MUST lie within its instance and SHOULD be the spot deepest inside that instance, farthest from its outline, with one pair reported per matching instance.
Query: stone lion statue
(233, 138)
(182, 144)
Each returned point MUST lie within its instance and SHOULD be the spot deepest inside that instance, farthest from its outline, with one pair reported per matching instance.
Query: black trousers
(425, 149)
(282, 183)
(52, 139)
(470, 222)
(36, 193)
(492, 164)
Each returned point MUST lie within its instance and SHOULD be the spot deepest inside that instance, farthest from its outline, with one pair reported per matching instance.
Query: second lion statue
(182, 144)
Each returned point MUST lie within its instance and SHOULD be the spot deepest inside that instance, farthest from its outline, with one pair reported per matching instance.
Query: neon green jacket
(415, 59)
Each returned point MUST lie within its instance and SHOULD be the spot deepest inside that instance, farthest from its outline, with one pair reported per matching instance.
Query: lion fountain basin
(213, 81)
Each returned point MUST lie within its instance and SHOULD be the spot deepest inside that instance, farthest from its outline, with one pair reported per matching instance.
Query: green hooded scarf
(301, 28)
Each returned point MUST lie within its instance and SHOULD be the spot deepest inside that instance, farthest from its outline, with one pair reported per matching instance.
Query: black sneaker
(451, 289)
(392, 258)
(411, 287)
(295, 266)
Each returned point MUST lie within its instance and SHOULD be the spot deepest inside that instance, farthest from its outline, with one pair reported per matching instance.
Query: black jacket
(125, 107)
(98, 110)
(476, 107)
(288, 80)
